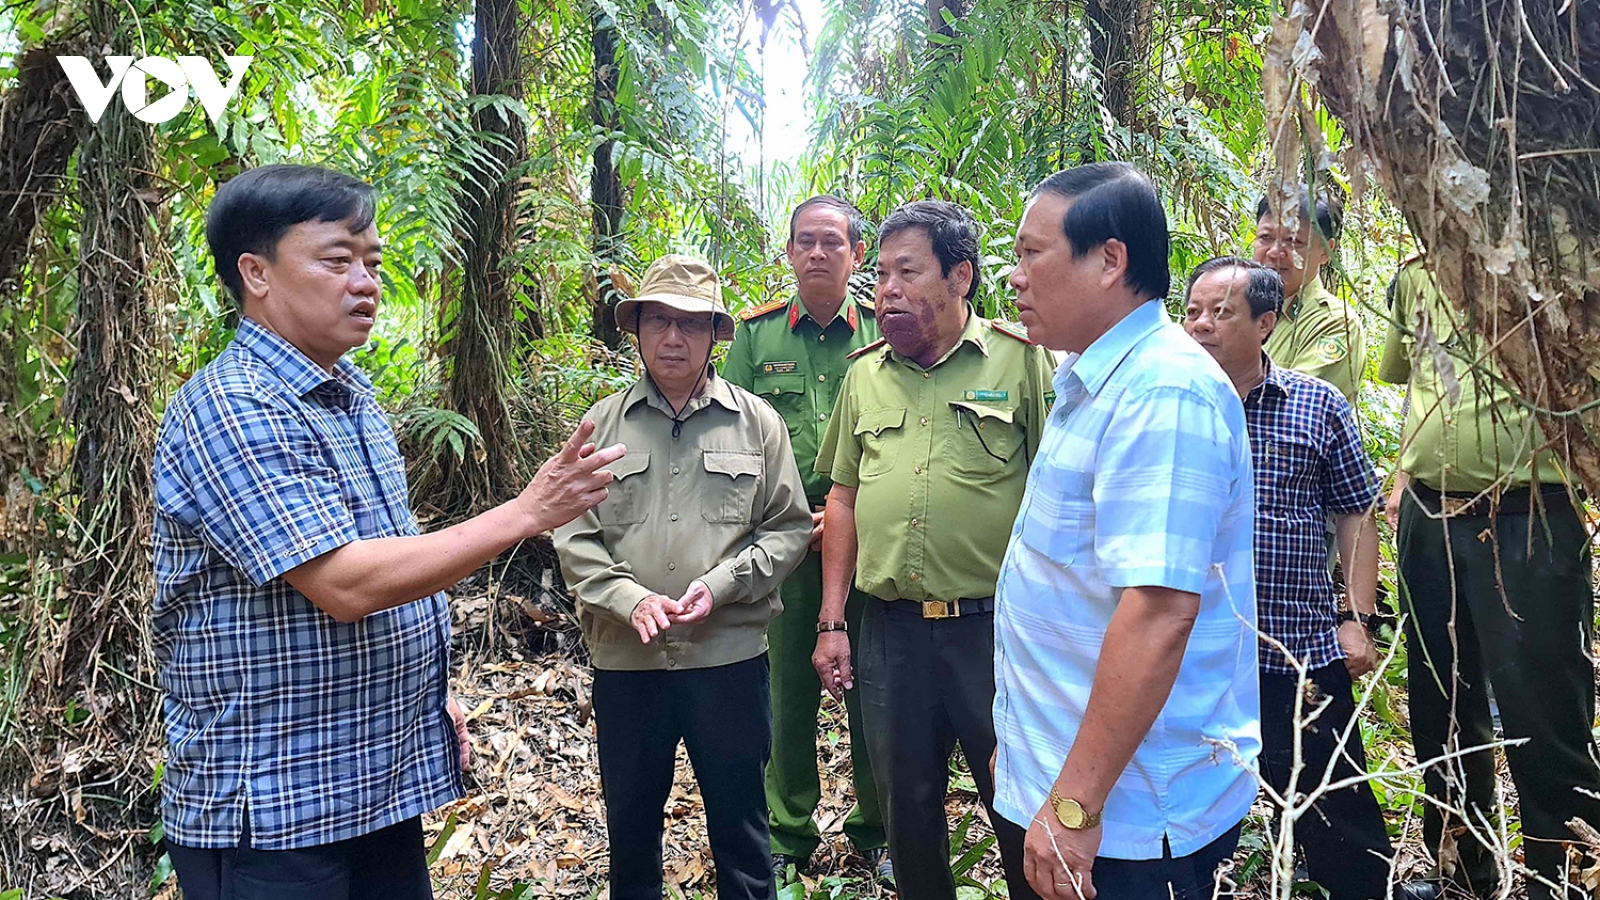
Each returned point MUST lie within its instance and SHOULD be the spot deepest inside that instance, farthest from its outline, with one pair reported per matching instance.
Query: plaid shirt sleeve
(1351, 484)
(263, 494)
(1166, 469)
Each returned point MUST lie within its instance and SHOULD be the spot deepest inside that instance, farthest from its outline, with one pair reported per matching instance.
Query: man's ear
(861, 253)
(1113, 263)
(1267, 323)
(963, 275)
(253, 279)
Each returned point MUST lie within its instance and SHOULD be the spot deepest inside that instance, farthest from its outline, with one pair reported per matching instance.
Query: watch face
(1070, 813)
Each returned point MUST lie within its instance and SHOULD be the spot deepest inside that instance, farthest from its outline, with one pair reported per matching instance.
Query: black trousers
(1343, 835)
(1191, 877)
(723, 715)
(926, 685)
(388, 864)
(1503, 601)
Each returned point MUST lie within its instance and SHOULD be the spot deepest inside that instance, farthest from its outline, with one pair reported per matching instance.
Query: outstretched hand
(569, 483)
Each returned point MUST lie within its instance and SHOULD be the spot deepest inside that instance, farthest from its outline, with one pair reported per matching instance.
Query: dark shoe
(782, 864)
(881, 865)
(1418, 890)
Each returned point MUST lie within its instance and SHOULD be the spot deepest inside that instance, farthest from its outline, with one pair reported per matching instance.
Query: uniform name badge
(780, 368)
(988, 395)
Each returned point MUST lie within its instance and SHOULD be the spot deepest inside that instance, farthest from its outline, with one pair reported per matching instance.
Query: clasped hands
(658, 612)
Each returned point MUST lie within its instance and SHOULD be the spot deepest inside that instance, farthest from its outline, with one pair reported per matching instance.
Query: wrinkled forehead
(1220, 287)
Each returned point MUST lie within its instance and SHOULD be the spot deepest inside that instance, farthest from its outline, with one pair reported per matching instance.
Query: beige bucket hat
(684, 283)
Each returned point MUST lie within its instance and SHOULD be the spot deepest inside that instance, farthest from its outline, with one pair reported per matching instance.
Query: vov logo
(178, 75)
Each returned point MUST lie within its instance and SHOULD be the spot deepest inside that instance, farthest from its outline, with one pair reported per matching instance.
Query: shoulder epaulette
(866, 304)
(757, 312)
(872, 346)
(1014, 332)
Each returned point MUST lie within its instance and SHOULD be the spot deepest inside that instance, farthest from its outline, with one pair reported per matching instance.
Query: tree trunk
(483, 330)
(36, 142)
(605, 189)
(1120, 32)
(1482, 119)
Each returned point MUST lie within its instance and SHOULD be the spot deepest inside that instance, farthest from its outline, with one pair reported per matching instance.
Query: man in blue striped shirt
(300, 625)
(1308, 463)
(1125, 650)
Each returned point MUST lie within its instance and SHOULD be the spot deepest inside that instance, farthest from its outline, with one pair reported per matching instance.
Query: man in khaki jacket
(677, 574)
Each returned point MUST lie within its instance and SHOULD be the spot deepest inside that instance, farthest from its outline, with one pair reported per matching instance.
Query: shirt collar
(717, 389)
(1274, 384)
(296, 369)
(1095, 365)
(1311, 291)
(847, 312)
(971, 334)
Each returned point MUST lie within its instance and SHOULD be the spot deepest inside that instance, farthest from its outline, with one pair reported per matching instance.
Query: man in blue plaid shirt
(300, 624)
(1308, 461)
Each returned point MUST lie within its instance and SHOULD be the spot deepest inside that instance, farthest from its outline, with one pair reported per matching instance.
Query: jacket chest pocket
(881, 432)
(986, 438)
(732, 478)
(627, 498)
(786, 392)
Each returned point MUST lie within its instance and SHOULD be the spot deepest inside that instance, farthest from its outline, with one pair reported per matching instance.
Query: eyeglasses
(830, 244)
(1266, 241)
(690, 327)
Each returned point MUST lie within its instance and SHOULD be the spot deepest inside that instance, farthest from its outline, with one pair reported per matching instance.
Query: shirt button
(673, 517)
(822, 378)
(917, 471)
(674, 470)
(822, 417)
(672, 664)
(913, 576)
(672, 567)
(924, 420)
(927, 374)
(913, 523)
(777, 391)
(822, 337)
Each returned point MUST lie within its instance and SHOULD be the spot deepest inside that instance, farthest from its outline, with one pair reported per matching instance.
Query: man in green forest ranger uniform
(1318, 334)
(1494, 562)
(793, 352)
(929, 447)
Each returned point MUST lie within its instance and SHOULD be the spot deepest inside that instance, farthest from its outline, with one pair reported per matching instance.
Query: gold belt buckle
(940, 609)
(1454, 505)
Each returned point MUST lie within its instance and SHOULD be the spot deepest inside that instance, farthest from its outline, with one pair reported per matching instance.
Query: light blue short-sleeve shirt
(1143, 479)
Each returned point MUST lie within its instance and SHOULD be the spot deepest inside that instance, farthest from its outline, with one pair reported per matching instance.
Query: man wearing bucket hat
(677, 576)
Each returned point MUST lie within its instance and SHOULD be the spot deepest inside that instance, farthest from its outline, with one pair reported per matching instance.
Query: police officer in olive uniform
(1318, 334)
(1494, 562)
(794, 352)
(929, 447)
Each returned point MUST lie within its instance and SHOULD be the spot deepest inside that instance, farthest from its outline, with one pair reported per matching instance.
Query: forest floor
(532, 824)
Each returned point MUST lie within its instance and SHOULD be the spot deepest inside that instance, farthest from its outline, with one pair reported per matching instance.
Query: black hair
(1113, 200)
(1329, 216)
(254, 210)
(852, 216)
(951, 230)
(1263, 288)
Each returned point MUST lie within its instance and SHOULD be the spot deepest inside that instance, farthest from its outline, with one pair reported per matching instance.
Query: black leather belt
(943, 609)
(1507, 501)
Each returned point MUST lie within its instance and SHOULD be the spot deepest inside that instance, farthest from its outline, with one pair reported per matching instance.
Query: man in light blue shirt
(1127, 698)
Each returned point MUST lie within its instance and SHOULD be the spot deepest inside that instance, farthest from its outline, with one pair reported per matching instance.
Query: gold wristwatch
(1071, 814)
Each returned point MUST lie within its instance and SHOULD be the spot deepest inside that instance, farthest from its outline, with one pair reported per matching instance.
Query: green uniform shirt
(787, 358)
(939, 458)
(1322, 336)
(1485, 435)
(720, 504)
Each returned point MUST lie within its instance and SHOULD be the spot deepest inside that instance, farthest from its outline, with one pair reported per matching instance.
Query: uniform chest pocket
(785, 392)
(627, 498)
(986, 438)
(881, 432)
(732, 477)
